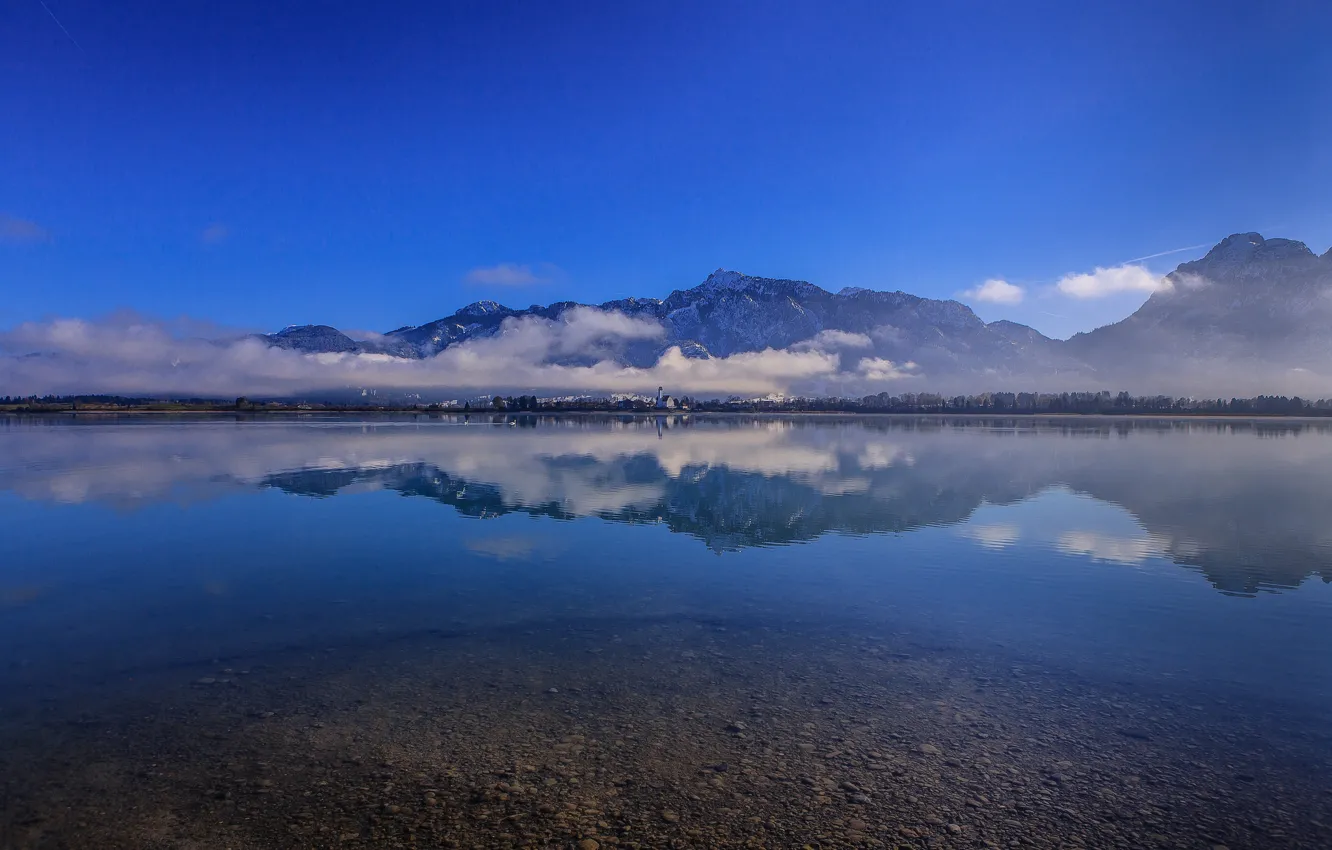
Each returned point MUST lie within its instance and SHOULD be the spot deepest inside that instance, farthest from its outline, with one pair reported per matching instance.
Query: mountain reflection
(1245, 504)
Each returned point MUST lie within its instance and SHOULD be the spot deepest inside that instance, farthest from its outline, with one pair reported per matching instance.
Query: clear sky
(374, 164)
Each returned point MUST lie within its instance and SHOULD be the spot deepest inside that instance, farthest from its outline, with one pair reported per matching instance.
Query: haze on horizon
(251, 166)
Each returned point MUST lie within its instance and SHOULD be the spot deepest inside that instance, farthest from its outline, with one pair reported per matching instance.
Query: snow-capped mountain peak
(483, 308)
(1264, 300)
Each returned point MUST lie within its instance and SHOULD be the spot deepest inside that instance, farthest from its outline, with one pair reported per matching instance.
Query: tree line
(1103, 403)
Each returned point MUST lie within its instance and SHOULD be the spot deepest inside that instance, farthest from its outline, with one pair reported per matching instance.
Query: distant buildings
(664, 402)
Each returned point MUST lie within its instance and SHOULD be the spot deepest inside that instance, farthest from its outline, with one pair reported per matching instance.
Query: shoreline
(531, 414)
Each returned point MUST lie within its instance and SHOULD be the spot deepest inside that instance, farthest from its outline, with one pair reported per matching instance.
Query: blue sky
(370, 165)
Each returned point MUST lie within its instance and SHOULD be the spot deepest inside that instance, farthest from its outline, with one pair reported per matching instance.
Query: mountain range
(1254, 311)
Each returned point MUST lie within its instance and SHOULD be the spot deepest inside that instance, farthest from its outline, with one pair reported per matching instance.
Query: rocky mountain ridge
(731, 313)
(1264, 301)
(1267, 302)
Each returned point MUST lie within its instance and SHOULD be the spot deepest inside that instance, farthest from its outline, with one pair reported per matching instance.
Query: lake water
(415, 631)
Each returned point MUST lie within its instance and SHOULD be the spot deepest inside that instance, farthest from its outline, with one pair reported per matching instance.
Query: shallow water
(656, 632)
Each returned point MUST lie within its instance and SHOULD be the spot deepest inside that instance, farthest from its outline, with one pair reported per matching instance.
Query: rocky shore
(658, 734)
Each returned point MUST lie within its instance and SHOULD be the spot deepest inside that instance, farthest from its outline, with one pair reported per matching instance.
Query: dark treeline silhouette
(1084, 403)
(75, 399)
(1092, 403)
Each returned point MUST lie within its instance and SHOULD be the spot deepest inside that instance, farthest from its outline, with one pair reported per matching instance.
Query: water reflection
(1247, 505)
(418, 632)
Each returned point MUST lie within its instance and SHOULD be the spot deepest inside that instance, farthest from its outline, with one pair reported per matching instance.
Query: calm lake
(602, 632)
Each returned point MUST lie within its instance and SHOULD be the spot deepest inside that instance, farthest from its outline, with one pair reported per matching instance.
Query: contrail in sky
(1165, 253)
(62, 26)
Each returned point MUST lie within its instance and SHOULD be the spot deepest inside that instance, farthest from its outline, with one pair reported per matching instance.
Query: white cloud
(878, 369)
(1103, 282)
(825, 340)
(507, 274)
(995, 291)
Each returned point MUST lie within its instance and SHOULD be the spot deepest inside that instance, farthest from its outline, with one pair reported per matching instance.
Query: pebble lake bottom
(615, 633)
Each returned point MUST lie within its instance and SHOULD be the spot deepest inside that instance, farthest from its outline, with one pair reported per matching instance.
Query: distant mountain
(1252, 307)
(316, 338)
(731, 313)
(1253, 311)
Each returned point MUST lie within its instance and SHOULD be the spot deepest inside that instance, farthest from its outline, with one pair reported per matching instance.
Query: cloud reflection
(1239, 503)
(1100, 546)
(993, 535)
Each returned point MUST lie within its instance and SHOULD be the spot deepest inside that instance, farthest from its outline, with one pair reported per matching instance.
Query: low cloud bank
(128, 354)
(585, 352)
